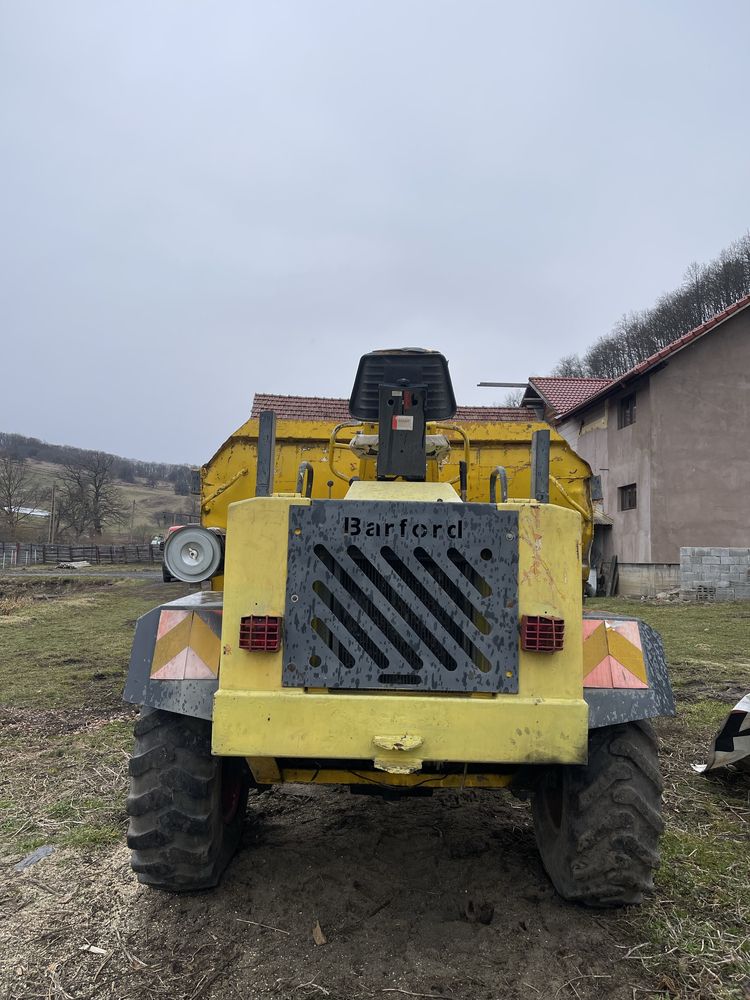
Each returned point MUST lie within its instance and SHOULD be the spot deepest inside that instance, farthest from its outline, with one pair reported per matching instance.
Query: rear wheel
(598, 826)
(186, 807)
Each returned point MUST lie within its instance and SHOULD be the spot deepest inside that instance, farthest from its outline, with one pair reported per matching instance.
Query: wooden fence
(33, 554)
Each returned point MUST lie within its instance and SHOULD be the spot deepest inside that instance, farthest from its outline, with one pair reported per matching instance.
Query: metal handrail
(334, 445)
(499, 472)
(467, 446)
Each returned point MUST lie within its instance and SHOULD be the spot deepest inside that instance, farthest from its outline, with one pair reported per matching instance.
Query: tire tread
(176, 833)
(606, 848)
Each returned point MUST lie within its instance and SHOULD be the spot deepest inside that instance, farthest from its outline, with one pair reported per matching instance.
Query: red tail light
(541, 634)
(260, 633)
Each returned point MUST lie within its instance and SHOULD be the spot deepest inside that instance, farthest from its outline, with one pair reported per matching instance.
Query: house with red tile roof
(326, 409)
(671, 441)
(553, 396)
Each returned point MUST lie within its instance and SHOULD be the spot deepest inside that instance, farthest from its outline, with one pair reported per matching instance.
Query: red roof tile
(301, 407)
(563, 393)
(479, 414)
(327, 409)
(666, 352)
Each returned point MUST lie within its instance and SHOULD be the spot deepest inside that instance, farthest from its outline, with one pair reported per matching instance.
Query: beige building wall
(701, 444)
(688, 453)
(621, 456)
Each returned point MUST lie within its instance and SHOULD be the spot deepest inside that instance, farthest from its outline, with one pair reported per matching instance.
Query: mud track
(394, 887)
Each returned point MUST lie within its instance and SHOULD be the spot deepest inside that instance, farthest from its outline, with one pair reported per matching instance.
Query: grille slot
(406, 612)
(394, 680)
(475, 579)
(459, 598)
(350, 624)
(341, 652)
(401, 595)
(369, 608)
(438, 612)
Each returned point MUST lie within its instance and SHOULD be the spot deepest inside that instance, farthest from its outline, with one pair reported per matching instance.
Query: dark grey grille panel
(419, 596)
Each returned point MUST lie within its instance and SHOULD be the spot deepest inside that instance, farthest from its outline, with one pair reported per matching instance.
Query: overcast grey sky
(203, 200)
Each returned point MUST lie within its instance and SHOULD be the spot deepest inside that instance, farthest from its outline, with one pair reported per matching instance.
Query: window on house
(627, 411)
(628, 497)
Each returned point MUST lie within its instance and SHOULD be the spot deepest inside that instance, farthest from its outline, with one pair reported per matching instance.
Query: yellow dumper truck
(394, 603)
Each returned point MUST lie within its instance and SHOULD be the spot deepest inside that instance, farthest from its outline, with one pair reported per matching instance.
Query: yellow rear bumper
(400, 729)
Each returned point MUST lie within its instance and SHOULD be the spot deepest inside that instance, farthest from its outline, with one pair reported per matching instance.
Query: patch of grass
(66, 645)
(28, 842)
(705, 715)
(72, 650)
(62, 810)
(707, 645)
(704, 632)
(66, 789)
(694, 932)
(92, 836)
(697, 925)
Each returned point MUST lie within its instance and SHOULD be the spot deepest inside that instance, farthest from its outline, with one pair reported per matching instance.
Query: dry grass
(693, 936)
(64, 733)
(697, 924)
(67, 787)
(72, 644)
(65, 739)
(12, 607)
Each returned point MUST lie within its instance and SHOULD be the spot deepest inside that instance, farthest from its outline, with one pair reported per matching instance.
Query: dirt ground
(389, 883)
(392, 886)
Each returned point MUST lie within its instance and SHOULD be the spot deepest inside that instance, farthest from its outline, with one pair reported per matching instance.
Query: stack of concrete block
(714, 574)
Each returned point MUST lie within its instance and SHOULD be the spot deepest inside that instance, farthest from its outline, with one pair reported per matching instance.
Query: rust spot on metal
(539, 566)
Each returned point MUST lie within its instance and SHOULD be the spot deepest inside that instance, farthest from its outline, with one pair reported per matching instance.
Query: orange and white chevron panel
(613, 655)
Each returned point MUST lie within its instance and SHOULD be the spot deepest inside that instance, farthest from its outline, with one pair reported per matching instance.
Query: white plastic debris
(731, 745)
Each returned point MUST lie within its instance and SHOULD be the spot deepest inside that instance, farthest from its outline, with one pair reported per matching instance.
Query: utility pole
(51, 529)
(132, 519)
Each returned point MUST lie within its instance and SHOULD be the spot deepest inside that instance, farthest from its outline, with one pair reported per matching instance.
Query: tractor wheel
(186, 807)
(598, 826)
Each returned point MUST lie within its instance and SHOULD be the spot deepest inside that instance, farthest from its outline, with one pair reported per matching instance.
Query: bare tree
(694, 283)
(707, 289)
(570, 366)
(20, 495)
(88, 498)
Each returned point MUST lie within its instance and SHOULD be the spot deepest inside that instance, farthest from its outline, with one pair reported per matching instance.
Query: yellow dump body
(231, 474)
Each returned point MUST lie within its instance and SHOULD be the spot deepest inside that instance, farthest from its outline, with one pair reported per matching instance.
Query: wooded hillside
(98, 496)
(707, 289)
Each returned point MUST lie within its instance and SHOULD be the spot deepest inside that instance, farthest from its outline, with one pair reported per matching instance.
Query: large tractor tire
(598, 826)
(186, 807)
